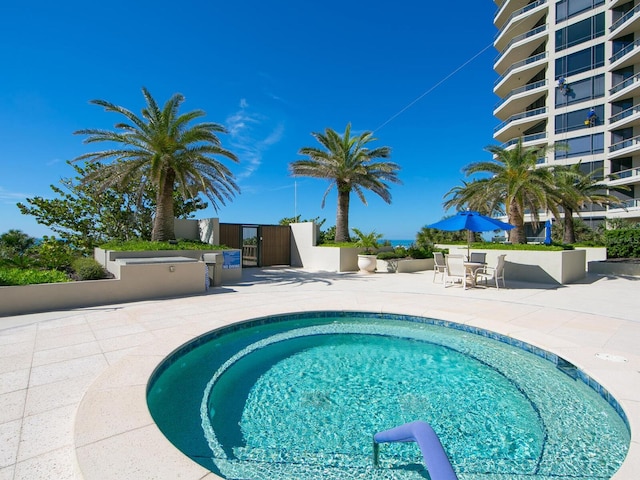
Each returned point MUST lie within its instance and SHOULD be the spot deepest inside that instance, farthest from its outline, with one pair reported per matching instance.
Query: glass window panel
(598, 86)
(598, 143)
(579, 61)
(598, 22)
(599, 55)
(561, 11)
(579, 32)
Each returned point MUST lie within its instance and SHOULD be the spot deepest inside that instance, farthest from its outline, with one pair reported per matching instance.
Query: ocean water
(400, 243)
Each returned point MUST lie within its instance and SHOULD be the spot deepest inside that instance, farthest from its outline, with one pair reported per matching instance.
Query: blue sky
(272, 73)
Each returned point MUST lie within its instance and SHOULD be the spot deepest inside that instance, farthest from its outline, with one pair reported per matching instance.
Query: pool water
(300, 398)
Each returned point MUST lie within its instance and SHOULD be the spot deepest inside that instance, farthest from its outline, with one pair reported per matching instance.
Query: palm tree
(574, 189)
(349, 165)
(161, 149)
(514, 181)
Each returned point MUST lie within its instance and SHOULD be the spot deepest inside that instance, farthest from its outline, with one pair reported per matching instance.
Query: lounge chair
(438, 265)
(456, 271)
(492, 273)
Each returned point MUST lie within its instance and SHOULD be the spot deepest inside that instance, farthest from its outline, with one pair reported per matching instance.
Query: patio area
(72, 383)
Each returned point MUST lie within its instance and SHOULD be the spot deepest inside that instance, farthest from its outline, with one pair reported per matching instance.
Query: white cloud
(251, 135)
(11, 197)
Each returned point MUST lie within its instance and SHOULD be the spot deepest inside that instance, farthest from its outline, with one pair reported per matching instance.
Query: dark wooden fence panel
(275, 248)
(231, 235)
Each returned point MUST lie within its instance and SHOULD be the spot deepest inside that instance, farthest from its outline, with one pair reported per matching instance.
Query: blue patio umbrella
(472, 221)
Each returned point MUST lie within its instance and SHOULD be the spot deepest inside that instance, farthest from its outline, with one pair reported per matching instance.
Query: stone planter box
(561, 267)
(405, 265)
(615, 268)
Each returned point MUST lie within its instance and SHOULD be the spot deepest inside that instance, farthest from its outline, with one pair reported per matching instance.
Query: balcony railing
(625, 113)
(632, 172)
(524, 9)
(626, 204)
(624, 18)
(516, 39)
(630, 142)
(526, 61)
(525, 139)
(525, 88)
(519, 116)
(624, 84)
(629, 48)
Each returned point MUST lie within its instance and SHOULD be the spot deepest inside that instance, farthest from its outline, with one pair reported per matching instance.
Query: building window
(582, 90)
(570, 121)
(578, 146)
(581, 61)
(568, 8)
(580, 32)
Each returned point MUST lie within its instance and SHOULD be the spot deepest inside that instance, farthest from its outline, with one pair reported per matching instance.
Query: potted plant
(369, 243)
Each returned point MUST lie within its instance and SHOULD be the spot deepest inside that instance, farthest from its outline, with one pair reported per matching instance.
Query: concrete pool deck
(73, 383)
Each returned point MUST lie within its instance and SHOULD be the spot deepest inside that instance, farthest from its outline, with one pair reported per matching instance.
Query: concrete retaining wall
(135, 282)
(561, 267)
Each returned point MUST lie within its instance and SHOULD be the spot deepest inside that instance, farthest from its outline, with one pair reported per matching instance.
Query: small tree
(84, 216)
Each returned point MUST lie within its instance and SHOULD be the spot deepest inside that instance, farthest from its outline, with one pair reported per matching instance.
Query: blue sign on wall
(231, 259)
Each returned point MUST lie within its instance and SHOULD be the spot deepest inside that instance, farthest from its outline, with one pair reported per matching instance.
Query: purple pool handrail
(435, 458)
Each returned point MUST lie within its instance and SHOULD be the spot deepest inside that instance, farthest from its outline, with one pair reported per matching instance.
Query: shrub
(19, 276)
(87, 268)
(143, 245)
(52, 254)
(623, 243)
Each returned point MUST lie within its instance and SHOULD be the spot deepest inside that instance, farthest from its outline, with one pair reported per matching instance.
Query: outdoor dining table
(471, 268)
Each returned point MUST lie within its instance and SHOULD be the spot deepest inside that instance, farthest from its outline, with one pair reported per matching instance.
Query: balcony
(627, 88)
(519, 73)
(528, 141)
(520, 21)
(516, 124)
(629, 55)
(625, 148)
(625, 177)
(625, 209)
(626, 118)
(519, 98)
(626, 24)
(519, 47)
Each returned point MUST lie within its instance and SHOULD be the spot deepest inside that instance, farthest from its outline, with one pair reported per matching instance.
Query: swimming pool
(300, 396)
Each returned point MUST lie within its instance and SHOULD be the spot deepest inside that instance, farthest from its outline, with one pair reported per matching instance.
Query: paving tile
(59, 464)
(12, 405)
(46, 342)
(46, 432)
(12, 381)
(18, 348)
(129, 458)
(9, 441)
(7, 472)
(51, 396)
(78, 367)
(59, 354)
(15, 362)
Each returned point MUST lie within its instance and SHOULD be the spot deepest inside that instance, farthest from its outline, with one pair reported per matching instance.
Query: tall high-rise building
(569, 72)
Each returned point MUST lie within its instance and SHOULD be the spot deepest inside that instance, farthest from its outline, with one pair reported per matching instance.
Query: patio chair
(438, 265)
(478, 257)
(492, 273)
(456, 271)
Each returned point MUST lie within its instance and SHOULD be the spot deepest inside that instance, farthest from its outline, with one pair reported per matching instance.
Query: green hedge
(144, 246)
(20, 276)
(623, 243)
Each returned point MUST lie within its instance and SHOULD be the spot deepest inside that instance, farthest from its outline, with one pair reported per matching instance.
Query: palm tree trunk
(163, 223)
(516, 218)
(569, 232)
(342, 215)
